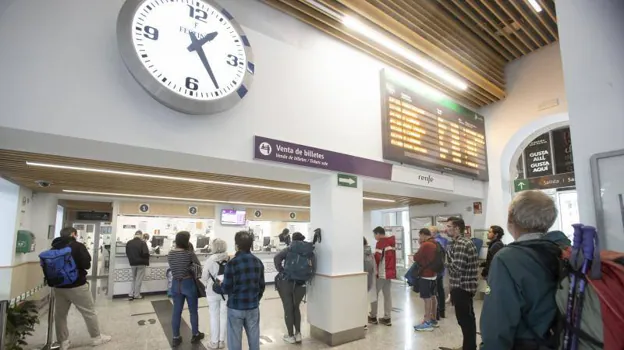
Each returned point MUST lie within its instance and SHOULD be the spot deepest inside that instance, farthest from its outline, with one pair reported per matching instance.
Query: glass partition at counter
(266, 233)
(163, 230)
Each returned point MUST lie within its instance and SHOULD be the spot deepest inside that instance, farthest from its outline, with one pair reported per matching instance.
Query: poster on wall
(416, 223)
(562, 146)
(538, 157)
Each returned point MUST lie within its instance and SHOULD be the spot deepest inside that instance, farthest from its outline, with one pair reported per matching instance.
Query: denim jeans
(184, 290)
(239, 319)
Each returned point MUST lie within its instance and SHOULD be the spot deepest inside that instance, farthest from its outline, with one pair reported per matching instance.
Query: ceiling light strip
(535, 5)
(383, 40)
(164, 177)
(177, 178)
(182, 199)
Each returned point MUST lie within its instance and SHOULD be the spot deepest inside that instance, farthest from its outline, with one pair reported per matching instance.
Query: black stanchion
(50, 345)
(4, 310)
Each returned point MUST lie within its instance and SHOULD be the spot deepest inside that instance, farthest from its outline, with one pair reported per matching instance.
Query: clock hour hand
(202, 56)
(197, 43)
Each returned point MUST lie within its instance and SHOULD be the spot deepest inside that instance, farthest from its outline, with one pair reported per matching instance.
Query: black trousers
(441, 296)
(291, 294)
(464, 310)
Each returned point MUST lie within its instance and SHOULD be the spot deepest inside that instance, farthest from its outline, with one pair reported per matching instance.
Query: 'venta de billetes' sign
(294, 154)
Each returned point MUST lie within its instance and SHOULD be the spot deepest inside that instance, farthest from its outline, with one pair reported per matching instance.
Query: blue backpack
(59, 267)
(299, 264)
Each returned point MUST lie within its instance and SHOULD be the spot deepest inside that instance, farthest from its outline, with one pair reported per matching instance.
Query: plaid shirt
(243, 282)
(463, 264)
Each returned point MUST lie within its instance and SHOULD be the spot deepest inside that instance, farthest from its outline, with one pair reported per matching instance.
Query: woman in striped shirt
(182, 260)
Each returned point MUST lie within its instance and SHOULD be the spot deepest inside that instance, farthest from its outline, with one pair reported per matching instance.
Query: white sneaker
(290, 340)
(102, 339)
(298, 338)
(212, 345)
(221, 345)
(65, 345)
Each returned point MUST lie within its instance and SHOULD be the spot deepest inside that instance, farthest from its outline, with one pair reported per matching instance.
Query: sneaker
(176, 342)
(102, 339)
(424, 327)
(298, 338)
(212, 345)
(386, 321)
(373, 320)
(365, 327)
(221, 345)
(290, 339)
(65, 345)
(197, 338)
(130, 298)
(139, 297)
(434, 324)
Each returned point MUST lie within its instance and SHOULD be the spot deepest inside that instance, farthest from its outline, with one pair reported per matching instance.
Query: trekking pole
(4, 310)
(49, 345)
(589, 234)
(578, 239)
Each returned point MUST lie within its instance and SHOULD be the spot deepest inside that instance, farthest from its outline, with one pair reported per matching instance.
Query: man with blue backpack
(65, 269)
(296, 266)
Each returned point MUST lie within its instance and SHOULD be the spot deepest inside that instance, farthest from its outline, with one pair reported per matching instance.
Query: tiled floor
(134, 325)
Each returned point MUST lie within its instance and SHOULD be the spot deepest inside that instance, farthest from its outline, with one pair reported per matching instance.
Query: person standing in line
(440, 293)
(184, 287)
(385, 260)
(77, 293)
(292, 291)
(495, 235)
(369, 268)
(138, 257)
(217, 303)
(425, 258)
(243, 282)
(463, 270)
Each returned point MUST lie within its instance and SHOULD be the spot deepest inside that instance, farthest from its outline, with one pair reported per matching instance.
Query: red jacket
(386, 246)
(425, 256)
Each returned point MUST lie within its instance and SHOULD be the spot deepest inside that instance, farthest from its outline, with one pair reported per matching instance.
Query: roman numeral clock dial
(190, 55)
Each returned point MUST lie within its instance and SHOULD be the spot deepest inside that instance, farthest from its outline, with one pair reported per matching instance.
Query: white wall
(512, 123)
(36, 216)
(593, 52)
(309, 88)
(9, 199)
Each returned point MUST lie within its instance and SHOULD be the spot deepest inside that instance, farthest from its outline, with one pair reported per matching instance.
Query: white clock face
(191, 48)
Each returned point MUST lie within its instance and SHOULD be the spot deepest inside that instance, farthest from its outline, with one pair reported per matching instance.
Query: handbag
(196, 272)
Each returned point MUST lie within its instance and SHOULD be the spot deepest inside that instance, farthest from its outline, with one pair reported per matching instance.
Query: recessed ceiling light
(182, 199)
(535, 5)
(177, 178)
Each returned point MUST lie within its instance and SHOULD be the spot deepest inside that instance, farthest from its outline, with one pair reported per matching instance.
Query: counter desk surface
(155, 280)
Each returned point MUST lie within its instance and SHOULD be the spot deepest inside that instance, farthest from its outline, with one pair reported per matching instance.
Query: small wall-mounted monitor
(158, 241)
(266, 242)
(202, 242)
(233, 217)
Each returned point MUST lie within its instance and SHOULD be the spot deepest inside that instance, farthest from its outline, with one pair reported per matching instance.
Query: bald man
(441, 297)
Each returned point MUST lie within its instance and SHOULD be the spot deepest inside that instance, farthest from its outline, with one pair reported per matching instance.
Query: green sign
(347, 180)
(521, 185)
(545, 182)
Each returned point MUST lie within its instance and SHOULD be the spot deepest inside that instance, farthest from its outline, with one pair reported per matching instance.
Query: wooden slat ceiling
(474, 39)
(13, 167)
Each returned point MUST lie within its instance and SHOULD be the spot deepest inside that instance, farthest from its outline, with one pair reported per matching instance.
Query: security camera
(43, 184)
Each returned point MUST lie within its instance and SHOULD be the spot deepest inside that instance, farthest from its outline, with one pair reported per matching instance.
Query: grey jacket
(369, 266)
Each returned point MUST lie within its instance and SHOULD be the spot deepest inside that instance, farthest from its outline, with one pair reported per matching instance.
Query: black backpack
(221, 267)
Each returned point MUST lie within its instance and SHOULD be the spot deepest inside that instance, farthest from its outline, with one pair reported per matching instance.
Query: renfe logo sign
(422, 178)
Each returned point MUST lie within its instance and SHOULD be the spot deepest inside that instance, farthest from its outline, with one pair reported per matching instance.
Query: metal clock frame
(155, 88)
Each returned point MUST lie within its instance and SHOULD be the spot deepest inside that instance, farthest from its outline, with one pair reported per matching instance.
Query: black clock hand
(198, 43)
(202, 56)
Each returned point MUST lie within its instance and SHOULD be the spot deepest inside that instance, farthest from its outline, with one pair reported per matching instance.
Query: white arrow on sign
(347, 180)
(521, 185)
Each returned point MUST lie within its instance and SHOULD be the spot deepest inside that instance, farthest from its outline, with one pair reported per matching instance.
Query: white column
(592, 50)
(337, 298)
(9, 206)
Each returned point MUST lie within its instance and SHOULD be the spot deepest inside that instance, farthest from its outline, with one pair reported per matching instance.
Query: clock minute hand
(202, 56)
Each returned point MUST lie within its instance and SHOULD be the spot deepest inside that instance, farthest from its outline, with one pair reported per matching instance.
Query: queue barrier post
(50, 345)
(4, 310)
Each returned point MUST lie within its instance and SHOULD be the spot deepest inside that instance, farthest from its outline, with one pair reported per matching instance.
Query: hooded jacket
(81, 256)
(369, 266)
(386, 247)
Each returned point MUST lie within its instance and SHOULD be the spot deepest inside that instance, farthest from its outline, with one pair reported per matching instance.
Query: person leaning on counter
(138, 257)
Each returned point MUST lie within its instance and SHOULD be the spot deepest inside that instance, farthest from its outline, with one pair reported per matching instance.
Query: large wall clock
(190, 55)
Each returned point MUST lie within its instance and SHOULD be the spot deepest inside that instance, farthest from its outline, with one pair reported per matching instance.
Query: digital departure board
(424, 128)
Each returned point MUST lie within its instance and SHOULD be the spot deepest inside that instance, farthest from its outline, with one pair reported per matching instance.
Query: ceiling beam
(528, 33)
(500, 27)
